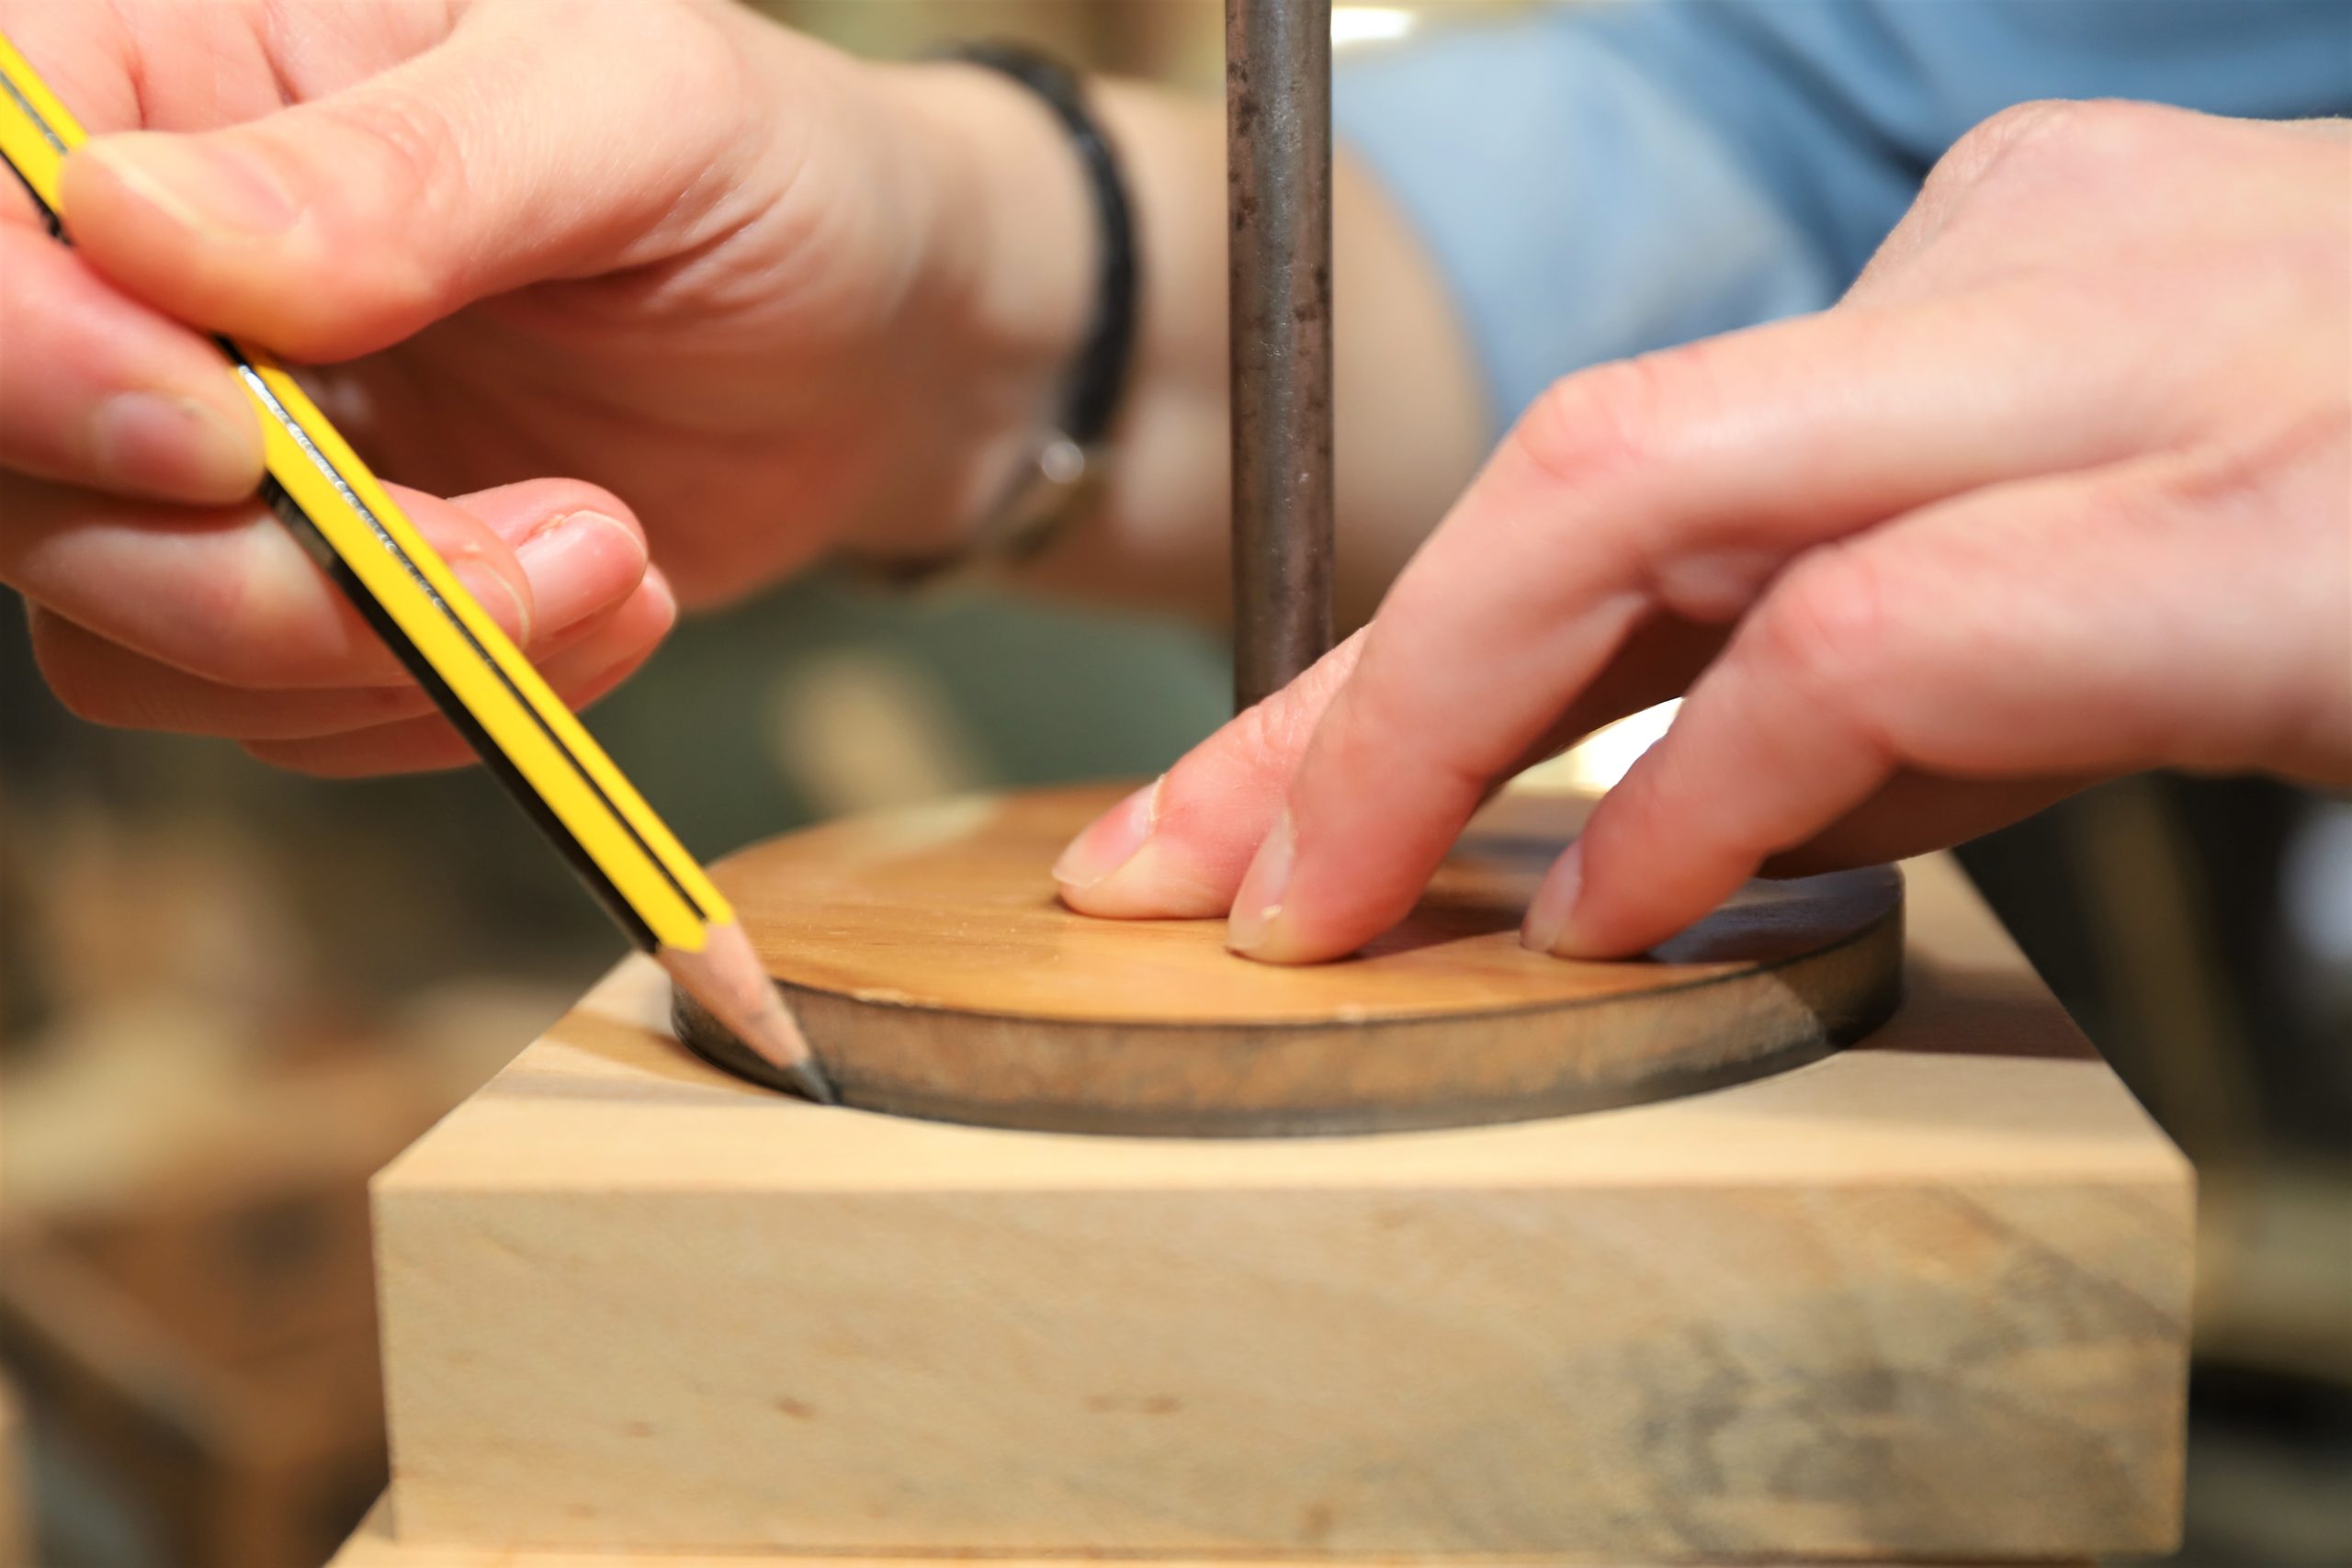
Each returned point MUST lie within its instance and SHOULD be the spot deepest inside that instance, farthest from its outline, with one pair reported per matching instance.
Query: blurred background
(227, 994)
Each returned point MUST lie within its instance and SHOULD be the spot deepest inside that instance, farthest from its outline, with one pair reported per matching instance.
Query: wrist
(1006, 268)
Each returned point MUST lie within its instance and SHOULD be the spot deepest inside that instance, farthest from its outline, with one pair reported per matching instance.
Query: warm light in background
(1368, 24)
(1600, 758)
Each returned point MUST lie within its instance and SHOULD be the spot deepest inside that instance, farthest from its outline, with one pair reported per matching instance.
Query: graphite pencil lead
(728, 978)
(809, 1079)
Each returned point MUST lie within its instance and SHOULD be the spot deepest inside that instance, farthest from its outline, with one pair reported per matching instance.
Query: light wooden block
(1927, 1298)
(375, 1545)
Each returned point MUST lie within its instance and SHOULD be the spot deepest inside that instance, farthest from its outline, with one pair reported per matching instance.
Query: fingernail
(1110, 840)
(202, 186)
(1259, 903)
(580, 564)
(1547, 917)
(174, 446)
(497, 597)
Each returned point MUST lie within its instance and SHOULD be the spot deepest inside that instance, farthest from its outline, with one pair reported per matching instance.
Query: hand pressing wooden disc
(937, 975)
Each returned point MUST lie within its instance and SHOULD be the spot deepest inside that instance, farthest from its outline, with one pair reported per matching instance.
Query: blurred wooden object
(246, 1275)
(262, 1463)
(1924, 1298)
(2274, 1277)
(15, 1506)
(937, 974)
(186, 1283)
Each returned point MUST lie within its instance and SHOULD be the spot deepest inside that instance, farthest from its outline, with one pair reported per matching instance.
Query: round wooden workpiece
(937, 975)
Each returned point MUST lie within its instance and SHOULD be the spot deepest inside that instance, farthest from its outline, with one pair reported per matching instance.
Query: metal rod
(1278, 188)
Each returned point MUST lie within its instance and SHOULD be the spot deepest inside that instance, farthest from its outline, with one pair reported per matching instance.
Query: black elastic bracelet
(1066, 470)
(1100, 372)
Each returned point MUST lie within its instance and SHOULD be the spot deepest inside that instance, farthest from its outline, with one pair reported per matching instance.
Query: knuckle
(2001, 161)
(411, 145)
(1624, 425)
(2023, 124)
(2048, 138)
(1267, 741)
(1608, 421)
(1826, 627)
(412, 163)
(2024, 131)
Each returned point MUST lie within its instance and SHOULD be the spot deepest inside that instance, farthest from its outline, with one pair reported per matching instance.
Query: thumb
(509, 152)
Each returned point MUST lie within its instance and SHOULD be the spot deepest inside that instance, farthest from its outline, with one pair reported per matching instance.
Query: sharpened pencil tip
(726, 978)
(809, 1081)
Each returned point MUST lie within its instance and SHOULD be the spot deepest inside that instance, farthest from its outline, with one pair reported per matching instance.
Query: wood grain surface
(1924, 1297)
(937, 974)
(375, 1544)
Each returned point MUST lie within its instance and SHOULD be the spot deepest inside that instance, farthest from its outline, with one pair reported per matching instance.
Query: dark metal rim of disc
(1308, 1111)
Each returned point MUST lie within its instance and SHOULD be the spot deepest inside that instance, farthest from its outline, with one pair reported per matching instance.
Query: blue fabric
(1598, 180)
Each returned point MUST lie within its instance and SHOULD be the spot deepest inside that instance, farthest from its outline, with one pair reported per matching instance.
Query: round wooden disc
(937, 975)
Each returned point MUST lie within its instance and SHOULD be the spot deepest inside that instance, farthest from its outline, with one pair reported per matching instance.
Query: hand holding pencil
(432, 625)
(600, 275)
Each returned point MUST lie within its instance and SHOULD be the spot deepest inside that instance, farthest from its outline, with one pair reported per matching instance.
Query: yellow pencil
(325, 495)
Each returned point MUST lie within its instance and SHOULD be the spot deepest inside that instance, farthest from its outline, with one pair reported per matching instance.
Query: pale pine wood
(375, 1545)
(936, 973)
(1927, 1297)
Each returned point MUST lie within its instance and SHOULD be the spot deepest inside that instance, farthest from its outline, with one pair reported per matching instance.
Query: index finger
(1678, 483)
(228, 594)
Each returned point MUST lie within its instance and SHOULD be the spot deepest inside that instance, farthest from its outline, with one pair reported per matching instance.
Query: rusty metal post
(1278, 185)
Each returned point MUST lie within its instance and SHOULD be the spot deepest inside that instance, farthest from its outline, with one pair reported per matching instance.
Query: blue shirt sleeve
(1600, 180)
